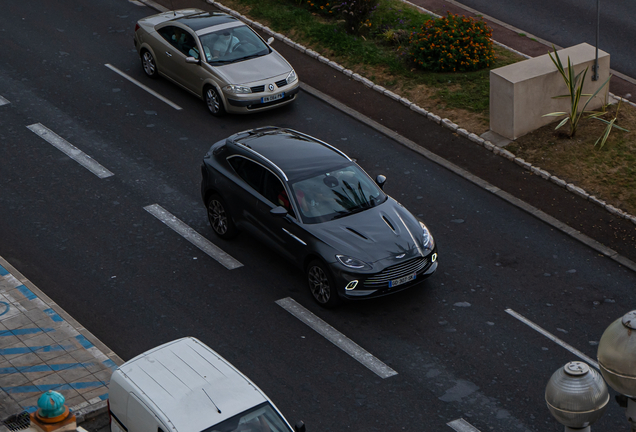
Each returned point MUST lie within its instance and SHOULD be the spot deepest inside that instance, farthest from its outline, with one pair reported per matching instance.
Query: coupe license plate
(402, 280)
(265, 99)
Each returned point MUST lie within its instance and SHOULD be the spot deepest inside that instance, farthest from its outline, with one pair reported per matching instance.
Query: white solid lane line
(148, 89)
(337, 338)
(4, 101)
(193, 237)
(461, 425)
(553, 338)
(70, 150)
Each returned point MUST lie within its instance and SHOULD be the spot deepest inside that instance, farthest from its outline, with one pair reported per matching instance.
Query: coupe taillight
(136, 27)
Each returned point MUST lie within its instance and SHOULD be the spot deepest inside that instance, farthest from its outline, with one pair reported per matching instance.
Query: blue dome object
(51, 404)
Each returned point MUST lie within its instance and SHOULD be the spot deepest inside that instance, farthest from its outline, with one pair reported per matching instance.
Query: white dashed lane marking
(337, 338)
(193, 237)
(70, 150)
(553, 338)
(4, 101)
(461, 425)
(148, 89)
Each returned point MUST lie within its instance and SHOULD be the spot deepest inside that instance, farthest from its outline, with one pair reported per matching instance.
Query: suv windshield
(261, 418)
(334, 194)
(232, 45)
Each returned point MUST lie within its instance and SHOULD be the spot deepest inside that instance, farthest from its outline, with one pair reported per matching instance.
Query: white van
(184, 386)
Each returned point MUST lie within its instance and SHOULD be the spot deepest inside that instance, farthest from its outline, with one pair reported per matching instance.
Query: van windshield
(261, 418)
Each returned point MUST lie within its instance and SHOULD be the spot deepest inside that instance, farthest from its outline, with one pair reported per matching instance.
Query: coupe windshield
(262, 418)
(334, 194)
(231, 45)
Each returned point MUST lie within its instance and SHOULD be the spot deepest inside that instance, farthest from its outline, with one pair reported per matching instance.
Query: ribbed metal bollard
(576, 396)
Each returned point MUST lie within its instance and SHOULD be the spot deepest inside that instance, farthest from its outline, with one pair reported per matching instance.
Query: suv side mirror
(300, 426)
(380, 180)
(279, 211)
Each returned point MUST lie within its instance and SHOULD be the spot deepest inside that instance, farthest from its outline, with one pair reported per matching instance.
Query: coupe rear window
(334, 194)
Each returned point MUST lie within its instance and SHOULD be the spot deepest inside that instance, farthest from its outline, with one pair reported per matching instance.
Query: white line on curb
(337, 338)
(193, 237)
(148, 89)
(553, 338)
(70, 150)
(461, 425)
(4, 101)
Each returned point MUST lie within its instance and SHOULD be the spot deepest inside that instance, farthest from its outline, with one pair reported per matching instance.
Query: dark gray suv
(316, 207)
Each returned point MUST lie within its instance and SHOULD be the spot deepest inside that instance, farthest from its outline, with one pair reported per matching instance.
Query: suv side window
(249, 171)
(275, 192)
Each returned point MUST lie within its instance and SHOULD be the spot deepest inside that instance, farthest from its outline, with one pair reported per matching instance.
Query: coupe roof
(201, 20)
(298, 155)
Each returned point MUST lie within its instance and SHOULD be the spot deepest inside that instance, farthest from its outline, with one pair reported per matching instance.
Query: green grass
(375, 51)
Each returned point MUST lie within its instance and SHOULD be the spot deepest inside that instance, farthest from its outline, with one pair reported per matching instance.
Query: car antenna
(206, 393)
(173, 11)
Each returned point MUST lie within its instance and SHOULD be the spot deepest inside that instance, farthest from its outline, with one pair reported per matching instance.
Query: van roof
(190, 384)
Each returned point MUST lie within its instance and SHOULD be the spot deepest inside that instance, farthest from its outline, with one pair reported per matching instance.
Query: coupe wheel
(149, 65)
(220, 220)
(321, 284)
(214, 102)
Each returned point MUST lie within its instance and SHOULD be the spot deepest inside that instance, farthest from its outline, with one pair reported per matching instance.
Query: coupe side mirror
(192, 60)
(300, 426)
(380, 180)
(270, 40)
(279, 211)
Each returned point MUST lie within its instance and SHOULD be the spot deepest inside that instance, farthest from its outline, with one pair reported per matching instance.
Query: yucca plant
(610, 124)
(574, 84)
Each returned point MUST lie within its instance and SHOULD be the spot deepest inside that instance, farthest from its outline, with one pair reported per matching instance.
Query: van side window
(160, 430)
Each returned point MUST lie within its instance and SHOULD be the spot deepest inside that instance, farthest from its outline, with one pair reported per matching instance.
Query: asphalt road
(571, 22)
(88, 243)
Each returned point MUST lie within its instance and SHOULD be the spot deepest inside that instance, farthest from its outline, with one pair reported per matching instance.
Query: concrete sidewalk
(42, 348)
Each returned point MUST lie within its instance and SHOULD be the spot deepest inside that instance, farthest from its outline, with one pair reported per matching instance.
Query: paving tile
(27, 304)
(25, 393)
(49, 382)
(16, 321)
(75, 374)
(97, 392)
(79, 399)
(49, 322)
(28, 359)
(68, 392)
(62, 362)
(16, 350)
(40, 340)
(87, 384)
(83, 356)
(30, 331)
(7, 341)
(47, 354)
(104, 376)
(15, 379)
(63, 332)
(8, 406)
(31, 401)
(35, 314)
(93, 365)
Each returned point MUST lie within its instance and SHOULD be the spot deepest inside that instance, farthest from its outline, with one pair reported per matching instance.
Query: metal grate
(281, 83)
(258, 89)
(396, 271)
(18, 422)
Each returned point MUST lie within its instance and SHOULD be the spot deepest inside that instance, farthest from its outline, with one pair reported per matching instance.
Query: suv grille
(382, 279)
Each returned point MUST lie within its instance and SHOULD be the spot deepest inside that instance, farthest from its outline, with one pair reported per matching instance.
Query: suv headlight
(351, 262)
(291, 77)
(237, 89)
(427, 238)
